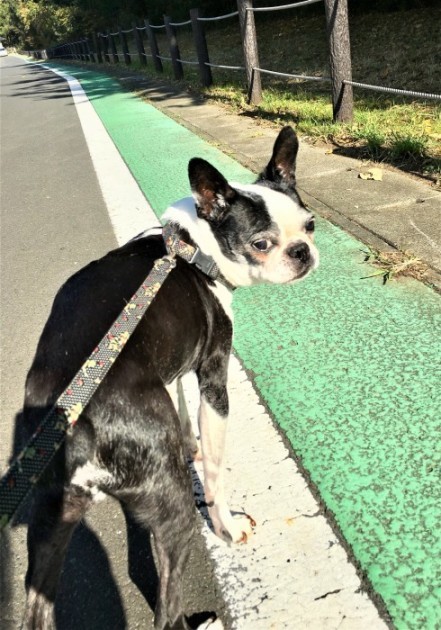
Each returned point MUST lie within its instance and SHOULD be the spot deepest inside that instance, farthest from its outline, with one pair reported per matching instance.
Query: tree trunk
(339, 59)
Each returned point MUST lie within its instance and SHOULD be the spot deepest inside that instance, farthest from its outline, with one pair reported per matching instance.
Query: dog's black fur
(130, 426)
(130, 430)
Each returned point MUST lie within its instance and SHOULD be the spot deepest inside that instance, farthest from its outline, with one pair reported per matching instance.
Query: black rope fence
(219, 17)
(303, 77)
(388, 90)
(112, 47)
(294, 5)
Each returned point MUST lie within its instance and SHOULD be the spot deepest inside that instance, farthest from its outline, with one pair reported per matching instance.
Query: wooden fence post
(339, 59)
(124, 47)
(84, 50)
(105, 44)
(97, 46)
(113, 50)
(201, 48)
(90, 52)
(250, 52)
(139, 45)
(153, 46)
(174, 49)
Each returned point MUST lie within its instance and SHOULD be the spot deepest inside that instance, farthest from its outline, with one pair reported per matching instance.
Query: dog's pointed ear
(282, 166)
(211, 191)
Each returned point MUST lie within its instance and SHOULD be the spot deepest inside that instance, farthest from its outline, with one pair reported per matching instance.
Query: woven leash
(27, 468)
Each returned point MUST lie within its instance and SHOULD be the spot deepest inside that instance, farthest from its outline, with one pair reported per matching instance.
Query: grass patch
(394, 264)
(407, 136)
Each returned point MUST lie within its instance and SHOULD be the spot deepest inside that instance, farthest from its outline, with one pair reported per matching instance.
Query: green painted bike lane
(349, 368)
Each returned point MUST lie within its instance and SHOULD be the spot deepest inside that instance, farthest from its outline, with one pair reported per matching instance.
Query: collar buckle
(204, 263)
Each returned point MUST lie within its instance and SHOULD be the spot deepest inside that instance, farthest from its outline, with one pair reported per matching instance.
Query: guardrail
(112, 47)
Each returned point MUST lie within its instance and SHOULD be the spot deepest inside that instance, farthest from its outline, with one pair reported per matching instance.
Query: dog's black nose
(300, 251)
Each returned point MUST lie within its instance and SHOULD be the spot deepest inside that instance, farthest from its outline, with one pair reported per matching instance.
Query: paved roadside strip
(294, 571)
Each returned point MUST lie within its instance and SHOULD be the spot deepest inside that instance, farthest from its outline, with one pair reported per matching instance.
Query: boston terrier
(129, 441)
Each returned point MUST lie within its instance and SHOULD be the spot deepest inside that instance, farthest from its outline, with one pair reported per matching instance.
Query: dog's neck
(183, 213)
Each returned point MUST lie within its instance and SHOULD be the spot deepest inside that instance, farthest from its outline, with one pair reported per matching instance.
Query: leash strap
(30, 464)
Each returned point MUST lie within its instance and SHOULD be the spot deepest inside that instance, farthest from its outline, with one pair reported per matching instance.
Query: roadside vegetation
(394, 43)
(401, 49)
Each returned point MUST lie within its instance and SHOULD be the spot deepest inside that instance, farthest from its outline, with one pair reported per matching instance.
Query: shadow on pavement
(88, 595)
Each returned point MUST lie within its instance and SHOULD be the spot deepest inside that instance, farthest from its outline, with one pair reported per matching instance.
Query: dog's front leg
(213, 416)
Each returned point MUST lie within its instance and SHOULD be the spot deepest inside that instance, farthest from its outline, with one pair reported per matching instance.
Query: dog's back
(89, 302)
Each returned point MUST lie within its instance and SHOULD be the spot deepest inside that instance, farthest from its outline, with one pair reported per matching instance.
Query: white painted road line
(129, 211)
(293, 573)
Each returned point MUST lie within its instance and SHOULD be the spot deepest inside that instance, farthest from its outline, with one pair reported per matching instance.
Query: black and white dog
(129, 441)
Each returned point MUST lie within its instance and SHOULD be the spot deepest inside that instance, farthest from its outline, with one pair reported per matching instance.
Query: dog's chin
(302, 274)
(283, 279)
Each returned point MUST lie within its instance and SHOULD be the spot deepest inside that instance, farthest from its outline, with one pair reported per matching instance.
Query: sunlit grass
(406, 134)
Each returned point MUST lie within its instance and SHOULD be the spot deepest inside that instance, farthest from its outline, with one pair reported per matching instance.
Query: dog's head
(260, 232)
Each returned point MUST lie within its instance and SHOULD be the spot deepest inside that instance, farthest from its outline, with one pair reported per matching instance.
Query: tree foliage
(43, 23)
(34, 24)
(9, 22)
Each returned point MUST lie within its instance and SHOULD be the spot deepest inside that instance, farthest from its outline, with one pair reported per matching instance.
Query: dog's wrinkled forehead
(274, 209)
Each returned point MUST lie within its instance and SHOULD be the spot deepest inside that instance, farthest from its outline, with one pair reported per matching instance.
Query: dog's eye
(310, 226)
(263, 245)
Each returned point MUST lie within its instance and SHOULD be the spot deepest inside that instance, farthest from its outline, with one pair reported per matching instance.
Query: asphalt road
(54, 220)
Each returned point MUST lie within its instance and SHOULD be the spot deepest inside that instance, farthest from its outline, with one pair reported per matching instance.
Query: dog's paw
(232, 529)
(243, 526)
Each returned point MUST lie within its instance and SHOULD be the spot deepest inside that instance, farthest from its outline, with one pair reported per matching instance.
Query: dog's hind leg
(172, 559)
(55, 514)
(167, 509)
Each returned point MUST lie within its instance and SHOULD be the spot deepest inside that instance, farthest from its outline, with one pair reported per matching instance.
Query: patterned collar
(192, 254)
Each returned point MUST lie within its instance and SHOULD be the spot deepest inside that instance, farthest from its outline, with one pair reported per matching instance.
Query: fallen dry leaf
(372, 173)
